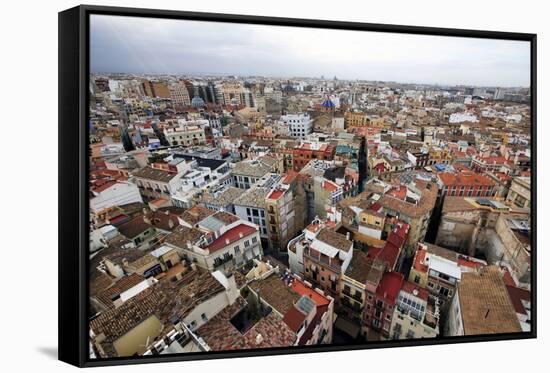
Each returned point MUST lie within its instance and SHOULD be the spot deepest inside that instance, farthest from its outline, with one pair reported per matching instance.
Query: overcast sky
(147, 45)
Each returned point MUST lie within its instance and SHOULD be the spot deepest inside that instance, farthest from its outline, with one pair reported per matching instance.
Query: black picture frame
(73, 179)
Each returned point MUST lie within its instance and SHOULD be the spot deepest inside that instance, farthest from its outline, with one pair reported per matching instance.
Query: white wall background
(28, 190)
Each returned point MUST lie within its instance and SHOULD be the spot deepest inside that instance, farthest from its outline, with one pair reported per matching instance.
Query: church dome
(197, 102)
(327, 103)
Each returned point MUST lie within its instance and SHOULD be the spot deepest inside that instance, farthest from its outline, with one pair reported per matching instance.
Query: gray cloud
(147, 45)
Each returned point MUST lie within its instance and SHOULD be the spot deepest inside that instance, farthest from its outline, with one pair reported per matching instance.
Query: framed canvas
(234, 186)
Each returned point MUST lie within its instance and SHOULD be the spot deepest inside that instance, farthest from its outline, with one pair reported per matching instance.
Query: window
(417, 279)
(246, 243)
(254, 240)
(237, 249)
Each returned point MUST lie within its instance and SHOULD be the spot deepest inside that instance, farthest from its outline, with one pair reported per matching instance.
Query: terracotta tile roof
(118, 321)
(363, 269)
(234, 234)
(485, 304)
(294, 318)
(464, 178)
(134, 227)
(195, 214)
(274, 291)
(183, 234)
(454, 204)
(225, 217)
(334, 239)
(220, 334)
(99, 187)
(290, 177)
(222, 199)
(99, 281)
(162, 219)
(424, 206)
(155, 174)
(168, 301)
(127, 282)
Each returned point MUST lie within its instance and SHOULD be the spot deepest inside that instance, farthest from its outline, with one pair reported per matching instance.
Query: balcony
(322, 260)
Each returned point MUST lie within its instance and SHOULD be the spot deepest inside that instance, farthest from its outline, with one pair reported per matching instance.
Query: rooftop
(485, 304)
(464, 178)
(389, 286)
(363, 269)
(196, 214)
(254, 168)
(334, 239)
(222, 199)
(221, 335)
(254, 197)
(232, 235)
(155, 174)
(183, 234)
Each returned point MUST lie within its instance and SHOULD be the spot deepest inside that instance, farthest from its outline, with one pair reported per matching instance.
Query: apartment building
(218, 241)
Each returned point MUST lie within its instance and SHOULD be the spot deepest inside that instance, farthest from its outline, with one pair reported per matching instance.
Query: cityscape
(233, 211)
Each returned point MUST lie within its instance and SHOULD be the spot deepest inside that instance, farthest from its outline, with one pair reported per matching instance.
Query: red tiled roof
(389, 286)
(275, 194)
(517, 295)
(399, 192)
(410, 288)
(391, 250)
(375, 207)
(492, 160)
(302, 289)
(330, 186)
(290, 177)
(232, 235)
(464, 178)
(418, 263)
(101, 186)
(294, 319)
(374, 252)
(468, 263)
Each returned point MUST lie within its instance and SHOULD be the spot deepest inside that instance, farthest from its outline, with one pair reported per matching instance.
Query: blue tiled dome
(327, 103)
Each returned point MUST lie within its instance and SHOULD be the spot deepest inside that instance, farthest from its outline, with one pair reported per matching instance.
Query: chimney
(259, 339)
(241, 235)
(170, 223)
(347, 236)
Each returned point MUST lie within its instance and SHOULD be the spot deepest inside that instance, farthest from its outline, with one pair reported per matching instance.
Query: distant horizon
(226, 75)
(157, 46)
